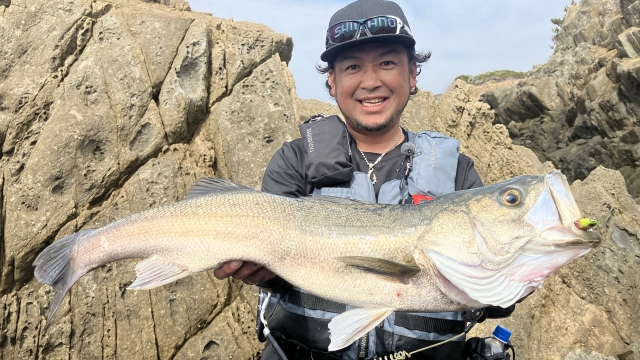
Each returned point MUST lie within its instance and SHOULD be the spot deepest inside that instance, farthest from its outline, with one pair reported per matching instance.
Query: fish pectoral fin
(155, 271)
(209, 185)
(396, 271)
(353, 324)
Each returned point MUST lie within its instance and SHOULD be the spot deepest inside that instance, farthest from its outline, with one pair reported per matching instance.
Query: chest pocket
(434, 164)
(360, 188)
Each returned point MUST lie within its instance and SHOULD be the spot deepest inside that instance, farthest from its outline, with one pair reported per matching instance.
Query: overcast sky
(465, 36)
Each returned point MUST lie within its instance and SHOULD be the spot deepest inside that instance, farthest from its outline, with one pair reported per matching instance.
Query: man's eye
(352, 67)
(387, 63)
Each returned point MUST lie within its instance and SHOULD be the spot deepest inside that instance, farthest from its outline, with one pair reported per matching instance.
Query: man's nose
(370, 79)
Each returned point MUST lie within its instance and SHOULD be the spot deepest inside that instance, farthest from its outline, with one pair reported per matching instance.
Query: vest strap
(429, 324)
(313, 302)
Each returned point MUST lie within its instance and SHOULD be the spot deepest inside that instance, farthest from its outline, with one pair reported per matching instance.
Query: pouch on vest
(328, 162)
(435, 164)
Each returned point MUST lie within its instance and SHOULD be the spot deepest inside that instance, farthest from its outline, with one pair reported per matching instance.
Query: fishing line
(400, 355)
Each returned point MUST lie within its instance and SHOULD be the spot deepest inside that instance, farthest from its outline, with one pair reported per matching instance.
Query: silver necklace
(370, 174)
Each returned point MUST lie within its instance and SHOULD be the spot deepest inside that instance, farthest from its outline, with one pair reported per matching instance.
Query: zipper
(363, 347)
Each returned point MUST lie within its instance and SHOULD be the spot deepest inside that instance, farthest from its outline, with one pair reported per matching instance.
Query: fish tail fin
(54, 266)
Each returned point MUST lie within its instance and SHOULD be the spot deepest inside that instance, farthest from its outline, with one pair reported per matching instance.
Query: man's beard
(374, 128)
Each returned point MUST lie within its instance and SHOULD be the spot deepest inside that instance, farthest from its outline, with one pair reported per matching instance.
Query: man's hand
(250, 273)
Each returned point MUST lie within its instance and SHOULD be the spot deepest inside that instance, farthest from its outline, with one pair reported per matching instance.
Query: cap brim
(331, 53)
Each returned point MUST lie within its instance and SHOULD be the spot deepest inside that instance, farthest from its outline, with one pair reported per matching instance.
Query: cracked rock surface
(108, 108)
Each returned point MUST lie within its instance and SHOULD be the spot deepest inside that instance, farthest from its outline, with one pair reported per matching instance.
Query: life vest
(299, 317)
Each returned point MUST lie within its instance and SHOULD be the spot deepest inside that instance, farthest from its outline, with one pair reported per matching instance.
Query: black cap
(364, 9)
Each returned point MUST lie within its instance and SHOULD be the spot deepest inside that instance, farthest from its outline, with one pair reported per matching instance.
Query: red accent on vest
(417, 198)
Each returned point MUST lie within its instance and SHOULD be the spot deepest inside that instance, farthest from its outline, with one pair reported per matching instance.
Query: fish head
(514, 234)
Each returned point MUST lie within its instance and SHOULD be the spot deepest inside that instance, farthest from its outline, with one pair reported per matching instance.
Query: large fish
(465, 250)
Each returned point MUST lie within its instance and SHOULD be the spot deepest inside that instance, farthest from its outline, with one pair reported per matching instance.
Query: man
(371, 71)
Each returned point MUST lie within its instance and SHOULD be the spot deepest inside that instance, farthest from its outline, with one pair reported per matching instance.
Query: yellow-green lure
(586, 223)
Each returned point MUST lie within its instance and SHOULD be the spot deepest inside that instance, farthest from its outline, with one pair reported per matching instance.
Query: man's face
(371, 84)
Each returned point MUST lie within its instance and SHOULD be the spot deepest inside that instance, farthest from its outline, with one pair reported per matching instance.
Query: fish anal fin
(353, 324)
(394, 270)
(155, 271)
(209, 185)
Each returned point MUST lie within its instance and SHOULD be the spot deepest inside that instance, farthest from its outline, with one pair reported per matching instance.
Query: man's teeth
(372, 102)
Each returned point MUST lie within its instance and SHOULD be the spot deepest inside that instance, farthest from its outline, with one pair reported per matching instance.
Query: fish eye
(511, 197)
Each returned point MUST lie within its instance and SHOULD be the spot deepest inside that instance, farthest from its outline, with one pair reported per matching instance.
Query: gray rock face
(250, 135)
(579, 355)
(98, 120)
(580, 110)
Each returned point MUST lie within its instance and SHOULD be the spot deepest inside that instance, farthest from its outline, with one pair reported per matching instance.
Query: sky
(466, 37)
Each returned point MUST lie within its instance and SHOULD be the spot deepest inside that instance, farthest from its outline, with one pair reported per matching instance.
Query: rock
(226, 336)
(253, 122)
(99, 121)
(247, 47)
(579, 355)
(25, 68)
(309, 107)
(588, 90)
(478, 89)
(176, 4)
(628, 44)
(158, 33)
(84, 147)
(184, 98)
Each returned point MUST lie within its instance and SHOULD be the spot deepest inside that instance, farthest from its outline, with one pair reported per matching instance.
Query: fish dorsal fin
(155, 271)
(336, 200)
(353, 324)
(396, 271)
(209, 185)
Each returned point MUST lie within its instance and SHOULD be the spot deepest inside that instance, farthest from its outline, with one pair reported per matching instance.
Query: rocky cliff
(581, 109)
(108, 108)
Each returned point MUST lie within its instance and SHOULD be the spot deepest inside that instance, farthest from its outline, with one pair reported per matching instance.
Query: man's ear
(413, 74)
(331, 77)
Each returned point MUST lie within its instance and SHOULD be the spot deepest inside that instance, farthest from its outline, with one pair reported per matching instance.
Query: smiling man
(371, 68)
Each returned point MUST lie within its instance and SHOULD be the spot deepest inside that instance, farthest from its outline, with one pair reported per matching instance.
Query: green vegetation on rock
(497, 75)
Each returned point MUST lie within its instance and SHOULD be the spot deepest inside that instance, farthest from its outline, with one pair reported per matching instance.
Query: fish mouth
(554, 216)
